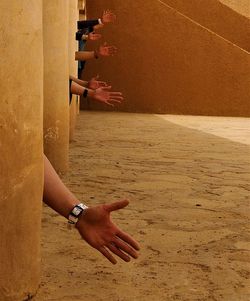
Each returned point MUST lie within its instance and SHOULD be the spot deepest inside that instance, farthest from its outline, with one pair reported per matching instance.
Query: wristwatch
(75, 213)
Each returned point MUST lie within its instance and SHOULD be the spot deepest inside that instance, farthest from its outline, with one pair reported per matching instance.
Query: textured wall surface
(21, 162)
(219, 18)
(169, 64)
(56, 82)
(241, 6)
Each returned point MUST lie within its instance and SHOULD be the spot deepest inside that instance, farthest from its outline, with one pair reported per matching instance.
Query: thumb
(106, 88)
(116, 206)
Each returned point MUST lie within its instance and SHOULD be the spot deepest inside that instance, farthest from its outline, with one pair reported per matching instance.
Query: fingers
(107, 88)
(102, 84)
(116, 206)
(115, 100)
(109, 103)
(118, 252)
(106, 253)
(118, 94)
(126, 248)
(128, 239)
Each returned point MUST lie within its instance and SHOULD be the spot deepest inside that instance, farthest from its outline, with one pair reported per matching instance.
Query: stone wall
(169, 63)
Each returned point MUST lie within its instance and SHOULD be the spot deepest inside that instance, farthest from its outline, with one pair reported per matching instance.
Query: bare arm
(95, 225)
(84, 55)
(103, 51)
(80, 82)
(55, 193)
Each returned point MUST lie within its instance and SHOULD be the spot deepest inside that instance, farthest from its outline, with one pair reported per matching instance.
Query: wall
(241, 6)
(218, 17)
(21, 161)
(169, 64)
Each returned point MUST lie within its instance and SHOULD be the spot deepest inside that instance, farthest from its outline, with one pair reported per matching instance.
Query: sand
(189, 197)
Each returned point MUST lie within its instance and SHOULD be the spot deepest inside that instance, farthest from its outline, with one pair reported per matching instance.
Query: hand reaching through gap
(103, 94)
(108, 16)
(94, 36)
(106, 50)
(98, 230)
(94, 83)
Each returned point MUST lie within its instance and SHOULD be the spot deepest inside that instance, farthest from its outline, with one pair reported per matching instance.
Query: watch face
(77, 211)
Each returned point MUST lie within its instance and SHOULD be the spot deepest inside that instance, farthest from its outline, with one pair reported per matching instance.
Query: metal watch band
(75, 213)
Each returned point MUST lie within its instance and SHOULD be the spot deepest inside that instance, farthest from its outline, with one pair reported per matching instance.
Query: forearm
(80, 82)
(55, 194)
(88, 23)
(84, 55)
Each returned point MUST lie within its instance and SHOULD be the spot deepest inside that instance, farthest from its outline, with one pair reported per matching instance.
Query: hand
(104, 95)
(94, 36)
(94, 83)
(98, 26)
(105, 50)
(108, 16)
(97, 229)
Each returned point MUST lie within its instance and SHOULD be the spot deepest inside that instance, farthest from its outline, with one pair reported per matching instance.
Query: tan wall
(217, 17)
(174, 66)
(21, 162)
(56, 82)
(241, 6)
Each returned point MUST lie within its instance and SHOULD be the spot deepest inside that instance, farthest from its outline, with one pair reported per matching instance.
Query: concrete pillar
(56, 82)
(73, 18)
(21, 161)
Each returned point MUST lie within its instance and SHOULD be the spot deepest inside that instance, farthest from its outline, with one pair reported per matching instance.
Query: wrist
(85, 37)
(91, 93)
(76, 212)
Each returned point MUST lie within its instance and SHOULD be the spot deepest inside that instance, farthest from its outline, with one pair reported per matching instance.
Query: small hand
(98, 230)
(94, 36)
(94, 83)
(106, 50)
(98, 26)
(108, 16)
(103, 94)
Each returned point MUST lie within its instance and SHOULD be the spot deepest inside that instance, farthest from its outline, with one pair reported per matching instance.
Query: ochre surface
(56, 82)
(168, 63)
(218, 17)
(73, 18)
(241, 6)
(189, 209)
(21, 161)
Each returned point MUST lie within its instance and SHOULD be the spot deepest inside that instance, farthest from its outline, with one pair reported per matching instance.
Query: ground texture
(189, 209)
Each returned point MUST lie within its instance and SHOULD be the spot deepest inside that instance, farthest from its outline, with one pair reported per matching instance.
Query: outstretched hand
(94, 36)
(98, 230)
(94, 83)
(103, 94)
(108, 16)
(106, 50)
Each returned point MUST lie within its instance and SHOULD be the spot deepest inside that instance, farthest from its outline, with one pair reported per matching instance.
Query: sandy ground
(189, 210)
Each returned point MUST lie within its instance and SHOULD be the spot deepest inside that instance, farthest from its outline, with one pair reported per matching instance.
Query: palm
(106, 50)
(103, 94)
(93, 84)
(97, 229)
(108, 16)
